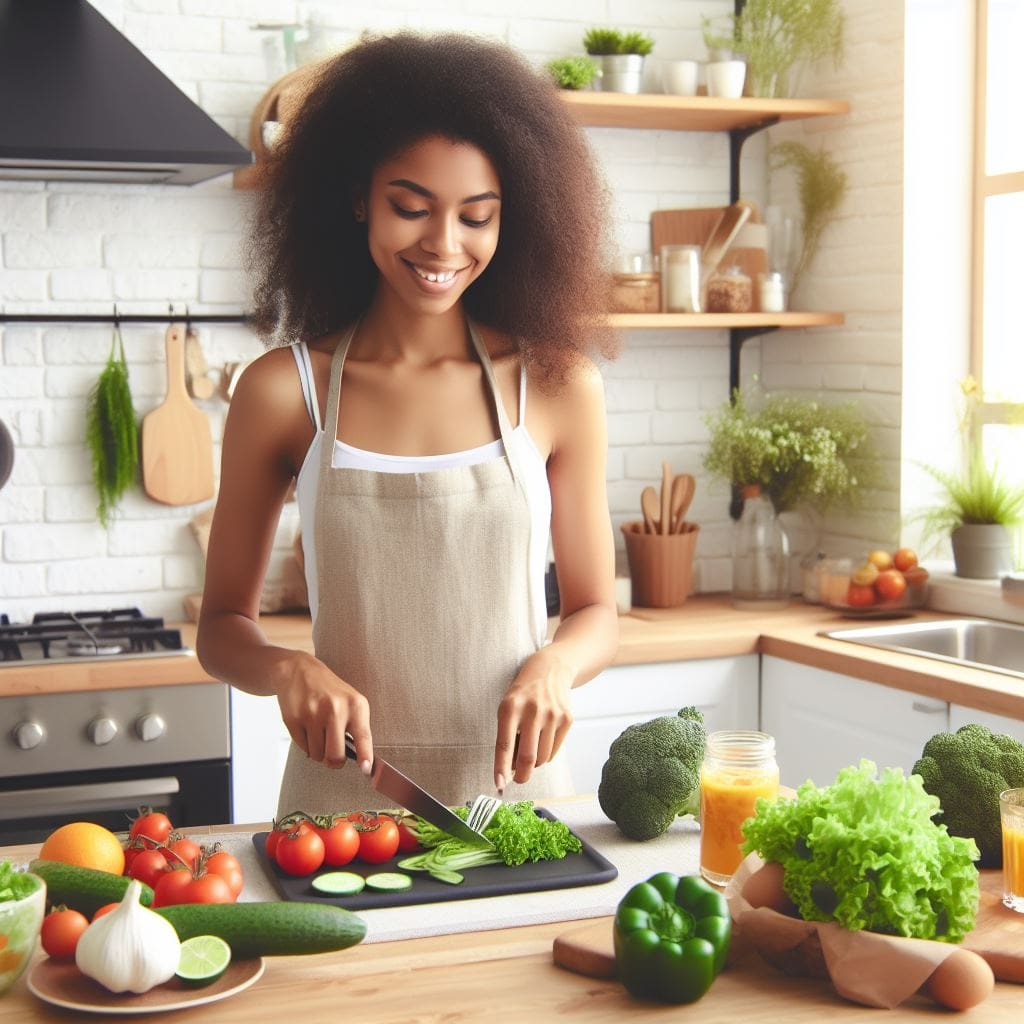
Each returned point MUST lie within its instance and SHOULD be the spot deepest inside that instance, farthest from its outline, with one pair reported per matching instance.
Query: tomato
(131, 851)
(904, 559)
(227, 866)
(408, 841)
(341, 841)
(105, 909)
(183, 851)
(891, 585)
(171, 887)
(299, 852)
(916, 577)
(378, 839)
(61, 931)
(208, 888)
(152, 827)
(859, 596)
(148, 867)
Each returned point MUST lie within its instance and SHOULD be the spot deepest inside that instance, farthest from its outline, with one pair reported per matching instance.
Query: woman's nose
(442, 236)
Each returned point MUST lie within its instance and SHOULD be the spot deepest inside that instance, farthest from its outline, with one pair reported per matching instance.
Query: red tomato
(300, 853)
(227, 866)
(171, 887)
(105, 909)
(274, 835)
(341, 842)
(378, 839)
(904, 559)
(148, 866)
(207, 888)
(860, 596)
(131, 851)
(61, 931)
(183, 851)
(152, 827)
(408, 841)
(890, 585)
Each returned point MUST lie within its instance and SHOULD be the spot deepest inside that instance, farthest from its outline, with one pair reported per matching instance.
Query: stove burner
(84, 647)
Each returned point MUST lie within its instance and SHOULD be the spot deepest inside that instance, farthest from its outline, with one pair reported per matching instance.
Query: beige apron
(425, 608)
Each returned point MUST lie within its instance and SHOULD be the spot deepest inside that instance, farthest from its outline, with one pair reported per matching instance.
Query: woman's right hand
(318, 708)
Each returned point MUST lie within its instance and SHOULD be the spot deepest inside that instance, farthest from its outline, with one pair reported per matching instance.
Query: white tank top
(348, 456)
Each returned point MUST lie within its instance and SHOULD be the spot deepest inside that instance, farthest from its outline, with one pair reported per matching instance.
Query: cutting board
(998, 937)
(588, 867)
(177, 450)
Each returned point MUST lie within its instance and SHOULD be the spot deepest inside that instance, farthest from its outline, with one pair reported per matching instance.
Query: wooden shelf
(725, 320)
(690, 113)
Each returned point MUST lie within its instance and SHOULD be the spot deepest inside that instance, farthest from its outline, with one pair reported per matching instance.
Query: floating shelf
(713, 321)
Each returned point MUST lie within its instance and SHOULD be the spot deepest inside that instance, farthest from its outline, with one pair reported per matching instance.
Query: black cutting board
(588, 867)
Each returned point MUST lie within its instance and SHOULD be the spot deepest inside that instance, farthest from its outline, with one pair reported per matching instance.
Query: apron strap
(333, 396)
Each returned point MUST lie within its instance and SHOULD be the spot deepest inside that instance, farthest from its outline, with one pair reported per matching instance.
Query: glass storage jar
(729, 292)
(760, 555)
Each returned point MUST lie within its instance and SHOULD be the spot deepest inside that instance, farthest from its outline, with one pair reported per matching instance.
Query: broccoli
(652, 774)
(967, 770)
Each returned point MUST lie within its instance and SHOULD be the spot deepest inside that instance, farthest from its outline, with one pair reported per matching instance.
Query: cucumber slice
(388, 881)
(339, 883)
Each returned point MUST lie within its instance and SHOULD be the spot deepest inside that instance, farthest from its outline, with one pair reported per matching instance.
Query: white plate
(63, 984)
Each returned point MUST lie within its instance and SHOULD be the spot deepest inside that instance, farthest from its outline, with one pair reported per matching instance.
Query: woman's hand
(318, 708)
(534, 717)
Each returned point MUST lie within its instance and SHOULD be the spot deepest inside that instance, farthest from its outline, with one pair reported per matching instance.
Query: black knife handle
(350, 747)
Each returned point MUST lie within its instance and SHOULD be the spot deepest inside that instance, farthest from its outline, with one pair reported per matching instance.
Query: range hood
(79, 102)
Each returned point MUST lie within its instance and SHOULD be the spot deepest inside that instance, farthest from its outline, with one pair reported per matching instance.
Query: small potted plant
(621, 56)
(572, 72)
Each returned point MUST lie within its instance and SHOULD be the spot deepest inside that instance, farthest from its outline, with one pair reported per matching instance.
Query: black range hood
(79, 102)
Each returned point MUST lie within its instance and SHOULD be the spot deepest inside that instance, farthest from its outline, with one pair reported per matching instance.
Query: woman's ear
(359, 212)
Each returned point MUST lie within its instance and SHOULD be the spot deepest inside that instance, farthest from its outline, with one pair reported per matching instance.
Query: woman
(431, 245)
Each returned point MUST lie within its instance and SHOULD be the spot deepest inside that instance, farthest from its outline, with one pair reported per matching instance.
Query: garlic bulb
(131, 949)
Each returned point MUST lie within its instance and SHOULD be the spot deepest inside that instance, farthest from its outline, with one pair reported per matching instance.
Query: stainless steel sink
(976, 643)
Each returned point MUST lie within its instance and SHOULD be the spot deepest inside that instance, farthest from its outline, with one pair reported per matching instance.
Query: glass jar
(760, 555)
(680, 279)
(729, 292)
(738, 768)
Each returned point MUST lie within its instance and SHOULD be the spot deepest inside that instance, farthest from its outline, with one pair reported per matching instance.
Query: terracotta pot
(660, 565)
(982, 551)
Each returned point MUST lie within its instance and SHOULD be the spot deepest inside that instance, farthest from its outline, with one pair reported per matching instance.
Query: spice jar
(739, 766)
(680, 279)
(729, 292)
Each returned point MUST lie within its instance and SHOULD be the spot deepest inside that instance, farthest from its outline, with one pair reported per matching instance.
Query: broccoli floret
(652, 774)
(967, 770)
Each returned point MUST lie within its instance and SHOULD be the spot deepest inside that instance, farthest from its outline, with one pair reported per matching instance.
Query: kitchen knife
(387, 779)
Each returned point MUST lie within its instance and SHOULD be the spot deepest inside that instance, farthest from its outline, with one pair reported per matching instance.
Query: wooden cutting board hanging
(177, 449)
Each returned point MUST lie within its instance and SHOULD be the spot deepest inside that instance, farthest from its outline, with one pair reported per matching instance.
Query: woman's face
(433, 212)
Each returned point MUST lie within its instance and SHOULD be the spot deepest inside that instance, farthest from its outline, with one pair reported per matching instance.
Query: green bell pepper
(671, 937)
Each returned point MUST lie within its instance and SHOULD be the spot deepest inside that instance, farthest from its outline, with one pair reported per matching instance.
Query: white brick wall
(79, 248)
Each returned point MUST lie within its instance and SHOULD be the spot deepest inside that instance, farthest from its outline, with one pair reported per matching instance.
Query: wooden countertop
(707, 626)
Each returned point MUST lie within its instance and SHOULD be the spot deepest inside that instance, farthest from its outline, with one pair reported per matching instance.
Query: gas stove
(62, 637)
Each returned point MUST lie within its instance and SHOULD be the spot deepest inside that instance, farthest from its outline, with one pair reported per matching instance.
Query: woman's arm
(266, 432)
(536, 710)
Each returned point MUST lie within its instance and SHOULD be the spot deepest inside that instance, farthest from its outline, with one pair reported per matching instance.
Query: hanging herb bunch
(111, 432)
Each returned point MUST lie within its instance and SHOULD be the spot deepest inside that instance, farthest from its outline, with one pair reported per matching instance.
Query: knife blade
(387, 779)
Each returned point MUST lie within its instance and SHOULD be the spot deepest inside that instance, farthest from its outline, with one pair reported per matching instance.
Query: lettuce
(14, 884)
(865, 852)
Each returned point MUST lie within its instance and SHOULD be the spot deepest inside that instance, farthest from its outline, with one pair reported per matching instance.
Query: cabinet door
(259, 747)
(823, 721)
(960, 715)
(724, 689)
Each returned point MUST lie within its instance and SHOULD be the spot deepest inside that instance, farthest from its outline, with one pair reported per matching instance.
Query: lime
(204, 958)
(339, 883)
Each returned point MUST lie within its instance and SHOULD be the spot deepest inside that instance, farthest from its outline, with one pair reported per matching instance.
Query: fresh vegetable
(299, 852)
(227, 865)
(105, 909)
(182, 850)
(14, 885)
(170, 888)
(150, 827)
(388, 881)
(671, 937)
(62, 928)
(84, 889)
(408, 839)
(149, 866)
(131, 949)
(340, 838)
(269, 929)
(866, 853)
(652, 774)
(967, 770)
(378, 837)
(339, 883)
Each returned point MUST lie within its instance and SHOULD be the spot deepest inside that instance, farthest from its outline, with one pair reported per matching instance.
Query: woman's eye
(469, 222)
(408, 214)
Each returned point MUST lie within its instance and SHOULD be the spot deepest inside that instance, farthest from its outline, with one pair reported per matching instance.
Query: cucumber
(282, 928)
(339, 883)
(388, 881)
(83, 889)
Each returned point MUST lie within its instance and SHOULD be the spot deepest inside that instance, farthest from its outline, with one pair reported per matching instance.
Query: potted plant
(777, 38)
(621, 56)
(572, 72)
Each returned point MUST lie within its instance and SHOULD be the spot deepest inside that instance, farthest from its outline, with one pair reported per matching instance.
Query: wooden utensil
(666, 497)
(683, 487)
(177, 450)
(649, 507)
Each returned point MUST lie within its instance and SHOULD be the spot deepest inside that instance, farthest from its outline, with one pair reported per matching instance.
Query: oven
(100, 754)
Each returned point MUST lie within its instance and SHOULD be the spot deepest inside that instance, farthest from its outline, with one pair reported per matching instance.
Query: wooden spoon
(666, 497)
(683, 487)
(649, 507)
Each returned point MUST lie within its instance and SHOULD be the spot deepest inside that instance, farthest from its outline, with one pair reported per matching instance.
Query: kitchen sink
(976, 643)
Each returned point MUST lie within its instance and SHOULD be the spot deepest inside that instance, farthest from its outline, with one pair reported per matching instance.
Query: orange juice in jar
(738, 768)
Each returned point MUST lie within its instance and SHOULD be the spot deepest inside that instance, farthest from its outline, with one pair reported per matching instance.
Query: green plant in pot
(621, 56)
(572, 72)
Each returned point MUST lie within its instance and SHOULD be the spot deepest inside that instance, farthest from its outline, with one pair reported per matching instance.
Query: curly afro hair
(548, 281)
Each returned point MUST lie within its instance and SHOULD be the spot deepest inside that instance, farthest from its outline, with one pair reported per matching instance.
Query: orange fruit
(85, 844)
(881, 559)
(904, 559)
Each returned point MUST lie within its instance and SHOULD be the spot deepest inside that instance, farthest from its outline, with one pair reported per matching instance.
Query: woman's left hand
(534, 717)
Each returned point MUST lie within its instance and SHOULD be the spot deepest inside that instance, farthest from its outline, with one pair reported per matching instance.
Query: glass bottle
(760, 555)
(738, 768)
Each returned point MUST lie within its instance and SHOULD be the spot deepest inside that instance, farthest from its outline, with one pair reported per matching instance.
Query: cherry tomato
(341, 842)
(105, 909)
(171, 887)
(904, 559)
(148, 867)
(183, 851)
(152, 827)
(300, 853)
(890, 585)
(274, 835)
(378, 839)
(61, 931)
(131, 851)
(408, 841)
(227, 866)
(208, 888)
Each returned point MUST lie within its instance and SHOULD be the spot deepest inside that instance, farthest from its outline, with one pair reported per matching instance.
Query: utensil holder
(660, 564)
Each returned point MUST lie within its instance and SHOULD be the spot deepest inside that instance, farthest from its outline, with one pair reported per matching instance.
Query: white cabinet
(823, 721)
(960, 715)
(724, 689)
(259, 747)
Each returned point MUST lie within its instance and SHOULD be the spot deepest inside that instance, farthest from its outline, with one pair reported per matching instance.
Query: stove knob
(101, 730)
(150, 726)
(29, 734)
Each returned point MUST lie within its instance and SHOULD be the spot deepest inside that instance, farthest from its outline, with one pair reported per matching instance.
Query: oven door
(194, 793)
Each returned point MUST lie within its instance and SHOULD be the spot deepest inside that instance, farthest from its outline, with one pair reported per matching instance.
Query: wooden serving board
(589, 867)
(997, 937)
